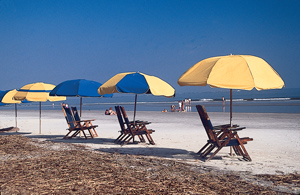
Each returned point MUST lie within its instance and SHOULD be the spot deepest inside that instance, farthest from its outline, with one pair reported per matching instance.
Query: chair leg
(150, 138)
(199, 152)
(125, 141)
(142, 139)
(91, 134)
(238, 150)
(208, 151)
(94, 132)
(66, 136)
(75, 134)
(84, 134)
(119, 138)
(244, 151)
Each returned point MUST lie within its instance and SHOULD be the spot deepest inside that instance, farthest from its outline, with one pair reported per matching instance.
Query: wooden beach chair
(75, 127)
(136, 128)
(221, 136)
(86, 123)
(123, 132)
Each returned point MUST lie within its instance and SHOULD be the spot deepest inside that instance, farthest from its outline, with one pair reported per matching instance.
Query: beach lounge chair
(126, 133)
(221, 136)
(75, 127)
(123, 132)
(135, 128)
(87, 123)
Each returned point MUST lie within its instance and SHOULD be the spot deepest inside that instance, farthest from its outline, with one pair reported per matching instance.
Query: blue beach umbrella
(78, 88)
(137, 83)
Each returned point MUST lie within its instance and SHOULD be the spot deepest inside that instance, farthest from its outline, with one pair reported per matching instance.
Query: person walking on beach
(180, 104)
(223, 103)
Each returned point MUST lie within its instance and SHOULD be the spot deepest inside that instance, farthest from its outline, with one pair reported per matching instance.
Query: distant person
(65, 105)
(111, 112)
(180, 104)
(165, 110)
(223, 99)
(173, 108)
(106, 112)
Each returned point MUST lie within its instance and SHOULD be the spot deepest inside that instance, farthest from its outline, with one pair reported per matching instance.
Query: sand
(179, 136)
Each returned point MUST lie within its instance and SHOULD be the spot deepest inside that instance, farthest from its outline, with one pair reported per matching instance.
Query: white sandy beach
(275, 149)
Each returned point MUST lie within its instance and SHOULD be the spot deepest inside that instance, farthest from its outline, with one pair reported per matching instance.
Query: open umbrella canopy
(137, 83)
(6, 97)
(79, 88)
(232, 72)
(37, 92)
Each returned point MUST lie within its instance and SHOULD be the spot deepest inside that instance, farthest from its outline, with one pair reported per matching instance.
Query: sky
(56, 40)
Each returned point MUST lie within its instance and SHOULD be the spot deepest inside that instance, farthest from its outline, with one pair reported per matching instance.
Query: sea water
(271, 101)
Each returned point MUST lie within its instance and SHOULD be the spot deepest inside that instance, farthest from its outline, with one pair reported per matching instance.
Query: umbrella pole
(40, 117)
(80, 111)
(230, 107)
(231, 117)
(80, 106)
(134, 109)
(134, 114)
(16, 115)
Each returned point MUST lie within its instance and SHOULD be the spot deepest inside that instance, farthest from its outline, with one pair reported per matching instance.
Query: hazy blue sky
(56, 40)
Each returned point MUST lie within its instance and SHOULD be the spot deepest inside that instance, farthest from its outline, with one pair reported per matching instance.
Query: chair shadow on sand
(152, 151)
(15, 133)
(173, 153)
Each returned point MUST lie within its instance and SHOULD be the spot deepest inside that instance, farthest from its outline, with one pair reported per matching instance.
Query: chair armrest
(219, 127)
(87, 120)
(236, 129)
(140, 122)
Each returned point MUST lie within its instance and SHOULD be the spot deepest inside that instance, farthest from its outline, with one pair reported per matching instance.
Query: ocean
(269, 101)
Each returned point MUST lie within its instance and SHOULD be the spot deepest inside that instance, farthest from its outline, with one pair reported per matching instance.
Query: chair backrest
(206, 123)
(126, 119)
(75, 113)
(120, 119)
(69, 117)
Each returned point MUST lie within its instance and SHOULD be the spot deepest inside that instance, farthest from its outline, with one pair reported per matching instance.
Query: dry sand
(179, 136)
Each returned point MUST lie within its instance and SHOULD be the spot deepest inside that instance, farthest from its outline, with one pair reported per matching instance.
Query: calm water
(258, 106)
(269, 101)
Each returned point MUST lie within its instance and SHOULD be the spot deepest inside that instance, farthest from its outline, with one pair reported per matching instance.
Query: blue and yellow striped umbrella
(137, 83)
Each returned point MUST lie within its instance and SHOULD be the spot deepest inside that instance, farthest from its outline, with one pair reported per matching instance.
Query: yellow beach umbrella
(6, 97)
(136, 83)
(232, 72)
(37, 92)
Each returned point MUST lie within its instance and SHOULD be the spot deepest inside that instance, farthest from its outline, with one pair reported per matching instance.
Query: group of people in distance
(110, 112)
(184, 106)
